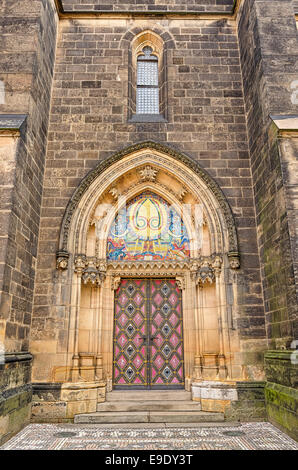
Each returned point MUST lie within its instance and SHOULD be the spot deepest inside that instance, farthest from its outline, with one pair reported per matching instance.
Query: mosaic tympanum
(149, 229)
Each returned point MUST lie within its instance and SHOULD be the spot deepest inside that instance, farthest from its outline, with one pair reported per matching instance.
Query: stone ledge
(36, 386)
(12, 122)
(282, 407)
(17, 357)
(280, 368)
(286, 397)
(250, 385)
(285, 122)
(284, 355)
(15, 398)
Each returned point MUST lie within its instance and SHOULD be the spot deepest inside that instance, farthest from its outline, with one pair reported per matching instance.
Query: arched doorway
(148, 315)
(119, 233)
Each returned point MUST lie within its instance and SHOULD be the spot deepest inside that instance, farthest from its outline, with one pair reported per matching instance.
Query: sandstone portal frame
(211, 343)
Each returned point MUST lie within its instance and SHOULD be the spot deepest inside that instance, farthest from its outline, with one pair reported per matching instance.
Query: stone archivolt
(182, 166)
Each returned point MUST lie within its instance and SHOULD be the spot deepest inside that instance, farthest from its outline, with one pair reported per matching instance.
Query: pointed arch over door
(91, 187)
(177, 227)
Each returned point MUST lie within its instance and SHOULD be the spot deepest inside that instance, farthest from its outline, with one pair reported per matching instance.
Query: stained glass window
(147, 83)
(148, 229)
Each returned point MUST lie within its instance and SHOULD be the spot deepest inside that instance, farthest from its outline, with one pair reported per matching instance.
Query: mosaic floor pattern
(248, 436)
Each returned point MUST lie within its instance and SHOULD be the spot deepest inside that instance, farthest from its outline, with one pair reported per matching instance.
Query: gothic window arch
(147, 79)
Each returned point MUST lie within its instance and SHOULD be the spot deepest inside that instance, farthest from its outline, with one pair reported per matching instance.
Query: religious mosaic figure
(148, 229)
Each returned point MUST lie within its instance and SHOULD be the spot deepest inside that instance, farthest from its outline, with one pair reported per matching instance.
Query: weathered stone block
(282, 407)
(48, 411)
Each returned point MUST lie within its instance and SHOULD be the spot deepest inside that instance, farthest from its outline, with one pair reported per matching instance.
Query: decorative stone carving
(102, 266)
(180, 281)
(116, 280)
(217, 263)
(80, 264)
(234, 260)
(150, 265)
(91, 275)
(92, 270)
(115, 193)
(205, 274)
(181, 194)
(62, 260)
(148, 173)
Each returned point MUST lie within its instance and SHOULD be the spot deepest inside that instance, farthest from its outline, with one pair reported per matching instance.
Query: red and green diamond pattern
(148, 335)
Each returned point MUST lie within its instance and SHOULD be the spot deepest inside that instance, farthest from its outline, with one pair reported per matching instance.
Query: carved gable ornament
(148, 173)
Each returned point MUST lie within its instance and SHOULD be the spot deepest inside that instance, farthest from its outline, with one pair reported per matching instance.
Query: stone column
(222, 373)
(197, 373)
(80, 264)
(99, 322)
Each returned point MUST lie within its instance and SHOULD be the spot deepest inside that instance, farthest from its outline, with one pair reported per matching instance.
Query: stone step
(149, 417)
(155, 405)
(150, 395)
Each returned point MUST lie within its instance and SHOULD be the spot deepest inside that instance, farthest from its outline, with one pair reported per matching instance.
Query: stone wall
(266, 29)
(28, 41)
(206, 120)
(150, 5)
(15, 394)
(281, 390)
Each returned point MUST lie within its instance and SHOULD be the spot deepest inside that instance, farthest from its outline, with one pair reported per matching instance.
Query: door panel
(130, 334)
(148, 335)
(166, 361)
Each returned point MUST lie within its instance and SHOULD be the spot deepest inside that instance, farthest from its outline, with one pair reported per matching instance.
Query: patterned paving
(248, 436)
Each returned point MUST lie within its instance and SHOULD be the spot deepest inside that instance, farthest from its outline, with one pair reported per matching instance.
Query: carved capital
(92, 276)
(62, 260)
(205, 274)
(234, 260)
(95, 273)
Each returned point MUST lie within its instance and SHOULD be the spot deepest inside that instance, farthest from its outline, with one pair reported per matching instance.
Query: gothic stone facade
(71, 144)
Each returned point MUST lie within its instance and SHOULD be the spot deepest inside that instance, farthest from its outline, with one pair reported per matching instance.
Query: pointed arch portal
(147, 240)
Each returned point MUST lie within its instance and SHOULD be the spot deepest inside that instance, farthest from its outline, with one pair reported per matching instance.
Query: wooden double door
(148, 335)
